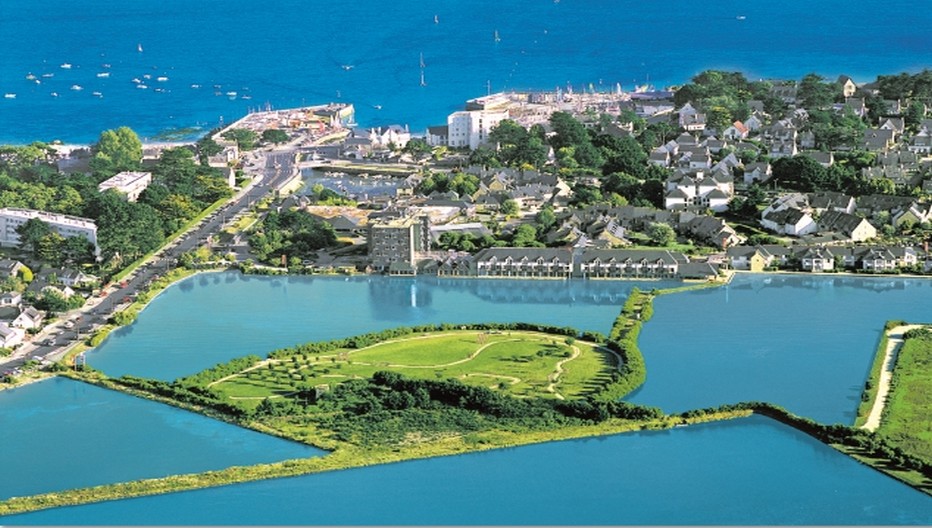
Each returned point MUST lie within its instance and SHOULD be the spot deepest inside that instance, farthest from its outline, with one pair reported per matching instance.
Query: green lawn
(519, 363)
(907, 420)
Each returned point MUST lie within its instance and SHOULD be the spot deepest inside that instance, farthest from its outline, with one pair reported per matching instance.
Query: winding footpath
(894, 343)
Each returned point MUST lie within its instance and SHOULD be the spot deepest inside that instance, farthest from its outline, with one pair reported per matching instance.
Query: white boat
(9, 96)
(161, 79)
(347, 67)
(66, 66)
(142, 86)
(741, 17)
(77, 87)
(97, 94)
(136, 80)
(497, 38)
(139, 48)
(103, 75)
(147, 76)
(54, 94)
(231, 94)
(195, 86)
(436, 19)
(106, 66)
(48, 75)
(30, 77)
(247, 97)
(422, 61)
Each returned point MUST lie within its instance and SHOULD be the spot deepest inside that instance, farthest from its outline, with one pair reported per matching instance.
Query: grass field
(907, 419)
(518, 363)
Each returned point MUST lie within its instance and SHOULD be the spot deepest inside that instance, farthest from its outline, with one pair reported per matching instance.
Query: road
(270, 169)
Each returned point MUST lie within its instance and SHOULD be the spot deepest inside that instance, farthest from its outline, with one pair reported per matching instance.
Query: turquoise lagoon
(772, 329)
(60, 434)
(747, 471)
(214, 317)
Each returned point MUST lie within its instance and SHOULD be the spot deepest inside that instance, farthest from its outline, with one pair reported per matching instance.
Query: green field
(907, 419)
(518, 363)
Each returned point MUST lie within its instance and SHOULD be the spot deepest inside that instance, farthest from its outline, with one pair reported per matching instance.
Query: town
(720, 174)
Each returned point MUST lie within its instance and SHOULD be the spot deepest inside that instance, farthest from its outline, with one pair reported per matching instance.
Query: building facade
(394, 243)
(129, 183)
(65, 225)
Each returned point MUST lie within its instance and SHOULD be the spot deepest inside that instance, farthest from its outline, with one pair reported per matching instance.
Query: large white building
(129, 183)
(470, 128)
(65, 225)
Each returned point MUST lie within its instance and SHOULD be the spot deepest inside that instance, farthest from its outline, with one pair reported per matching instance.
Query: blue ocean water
(60, 434)
(752, 471)
(293, 52)
(214, 317)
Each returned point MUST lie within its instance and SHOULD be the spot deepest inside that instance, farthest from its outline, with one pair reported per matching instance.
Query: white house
(698, 188)
(790, 221)
(10, 337)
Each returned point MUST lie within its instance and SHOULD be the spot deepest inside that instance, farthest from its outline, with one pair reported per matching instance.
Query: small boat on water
(195, 86)
(105, 66)
(54, 94)
(436, 19)
(97, 94)
(497, 38)
(103, 75)
(741, 17)
(30, 77)
(137, 80)
(9, 96)
(247, 97)
(139, 48)
(66, 66)
(77, 87)
(147, 76)
(231, 94)
(161, 79)
(142, 86)
(48, 75)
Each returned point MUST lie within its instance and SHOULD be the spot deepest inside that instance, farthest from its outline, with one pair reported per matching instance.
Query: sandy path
(894, 342)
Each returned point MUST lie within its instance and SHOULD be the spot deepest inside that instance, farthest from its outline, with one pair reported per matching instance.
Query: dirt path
(894, 343)
(558, 371)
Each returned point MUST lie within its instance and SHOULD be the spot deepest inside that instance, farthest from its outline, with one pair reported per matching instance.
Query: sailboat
(139, 48)
(436, 19)
(497, 38)
(422, 61)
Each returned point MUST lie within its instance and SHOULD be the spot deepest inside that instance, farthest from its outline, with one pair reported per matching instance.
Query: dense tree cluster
(294, 234)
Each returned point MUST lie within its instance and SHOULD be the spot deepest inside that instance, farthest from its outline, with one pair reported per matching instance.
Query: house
(696, 188)
(27, 319)
(921, 143)
(746, 258)
(825, 159)
(9, 268)
(819, 202)
(847, 85)
(11, 298)
(759, 171)
(783, 149)
(754, 123)
(854, 227)
(737, 130)
(76, 278)
(816, 259)
(807, 140)
(10, 337)
(878, 139)
(789, 221)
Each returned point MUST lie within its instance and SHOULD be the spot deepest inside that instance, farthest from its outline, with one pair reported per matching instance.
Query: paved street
(271, 169)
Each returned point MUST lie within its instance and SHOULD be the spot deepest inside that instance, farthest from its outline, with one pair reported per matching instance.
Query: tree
(274, 135)
(245, 139)
(814, 92)
(661, 234)
(32, 232)
(49, 248)
(568, 132)
(116, 151)
(509, 208)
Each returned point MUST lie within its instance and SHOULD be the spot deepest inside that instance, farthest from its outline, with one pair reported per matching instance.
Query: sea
(73, 68)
